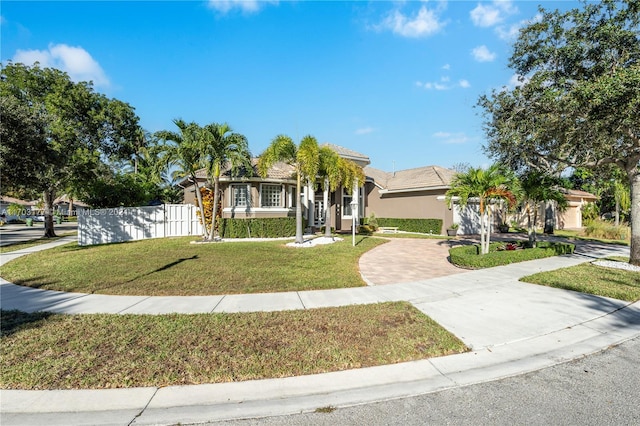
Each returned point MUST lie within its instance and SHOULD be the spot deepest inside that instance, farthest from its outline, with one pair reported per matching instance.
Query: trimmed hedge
(470, 257)
(273, 227)
(425, 226)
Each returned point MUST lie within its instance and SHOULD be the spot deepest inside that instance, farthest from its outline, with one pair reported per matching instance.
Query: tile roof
(581, 194)
(421, 178)
(347, 153)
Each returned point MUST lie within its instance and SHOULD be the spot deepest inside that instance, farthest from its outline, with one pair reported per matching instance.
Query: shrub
(366, 229)
(602, 229)
(505, 253)
(425, 226)
(273, 227)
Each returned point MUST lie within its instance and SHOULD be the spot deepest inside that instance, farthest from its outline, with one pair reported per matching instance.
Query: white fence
(102, 226)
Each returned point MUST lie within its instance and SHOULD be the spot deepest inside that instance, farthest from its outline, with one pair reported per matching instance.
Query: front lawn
(588, 278)
(173, 266)
(52, 351)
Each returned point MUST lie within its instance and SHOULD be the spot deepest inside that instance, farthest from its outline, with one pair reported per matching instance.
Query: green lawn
(173, 266)
(49, 351)
(592, 279)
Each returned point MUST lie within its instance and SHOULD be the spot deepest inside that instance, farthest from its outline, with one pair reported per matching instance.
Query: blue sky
(397, 81)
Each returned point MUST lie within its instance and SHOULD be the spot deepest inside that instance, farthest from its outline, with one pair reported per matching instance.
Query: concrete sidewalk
(511, 327)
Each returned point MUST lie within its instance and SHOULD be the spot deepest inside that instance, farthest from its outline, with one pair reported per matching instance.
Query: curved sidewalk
(511, 327)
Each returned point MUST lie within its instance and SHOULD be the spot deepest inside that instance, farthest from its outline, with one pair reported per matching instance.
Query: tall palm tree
(188, 154)
(224, 147)
(305, 159)
(484, 185)
(536, 188)
(336, 171)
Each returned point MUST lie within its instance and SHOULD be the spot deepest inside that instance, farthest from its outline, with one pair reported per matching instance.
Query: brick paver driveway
(407, 260)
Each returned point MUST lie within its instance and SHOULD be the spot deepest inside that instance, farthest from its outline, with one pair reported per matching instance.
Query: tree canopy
(579, 99)
(72, 129)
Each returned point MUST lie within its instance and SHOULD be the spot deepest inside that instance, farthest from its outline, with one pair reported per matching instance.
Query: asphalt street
(11, 234)
(600, 389)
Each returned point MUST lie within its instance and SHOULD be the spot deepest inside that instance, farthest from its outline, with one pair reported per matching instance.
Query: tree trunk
(549, 218)
(634, 182)
(532, 226)
(48, 196)
(213, 235)
(299, 237)
(617, 211)
(327, 210)
(205, 233)
(483, 234)
(70, 210)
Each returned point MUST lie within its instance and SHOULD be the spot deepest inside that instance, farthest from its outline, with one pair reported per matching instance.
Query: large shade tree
(483, 186)
(223, 147)
(72, 128)
(579, 101)
(305, 159)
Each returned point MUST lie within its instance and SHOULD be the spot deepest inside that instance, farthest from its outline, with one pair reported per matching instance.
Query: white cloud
(246, 6)
(364, 131)
(483, 54)
(517, 80)
(75, 61)
(492, 14)
(446, 67)
(425, 23)
(441, 84)
(452, 138)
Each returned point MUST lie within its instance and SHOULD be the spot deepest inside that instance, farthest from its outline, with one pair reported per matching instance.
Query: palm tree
(188, 154)
(483, 185)
(305, 159)
(536, 188)
(224, 148)
(336, 171)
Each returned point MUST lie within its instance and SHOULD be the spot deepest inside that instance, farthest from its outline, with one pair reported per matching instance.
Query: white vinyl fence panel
(100, 226)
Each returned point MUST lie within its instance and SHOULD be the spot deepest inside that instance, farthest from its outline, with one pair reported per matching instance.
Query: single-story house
(417, 193)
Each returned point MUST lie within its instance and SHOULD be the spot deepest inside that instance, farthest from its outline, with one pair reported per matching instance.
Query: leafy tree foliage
(579, 101)
(483, 186)
(305, 158)
(72, 129)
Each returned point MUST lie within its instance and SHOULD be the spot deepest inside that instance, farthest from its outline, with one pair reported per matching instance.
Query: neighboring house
(404, 194)
(5, 202)
(68, 206)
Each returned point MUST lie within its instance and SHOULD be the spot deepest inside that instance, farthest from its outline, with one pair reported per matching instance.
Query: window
(346, 202)
(271, 195)
(240, 196)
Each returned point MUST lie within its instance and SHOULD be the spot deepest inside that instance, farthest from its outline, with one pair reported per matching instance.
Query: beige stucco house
(410, 194)
(415, 193)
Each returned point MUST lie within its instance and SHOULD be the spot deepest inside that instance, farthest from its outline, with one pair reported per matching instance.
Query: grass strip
(53, 351)
(35, 242)
(588, 278)
(173, 266)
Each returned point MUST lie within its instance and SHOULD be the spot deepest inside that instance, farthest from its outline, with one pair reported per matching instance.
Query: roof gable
(418, 179)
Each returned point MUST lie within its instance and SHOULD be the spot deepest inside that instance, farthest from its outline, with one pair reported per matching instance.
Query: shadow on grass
(160, 269)
(13, 321)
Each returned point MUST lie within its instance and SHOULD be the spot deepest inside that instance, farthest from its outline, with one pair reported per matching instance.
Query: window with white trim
(240, 196)
(270, 195)
(347, 197)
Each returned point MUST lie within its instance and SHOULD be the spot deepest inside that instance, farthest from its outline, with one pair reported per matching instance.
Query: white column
(354, 197)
